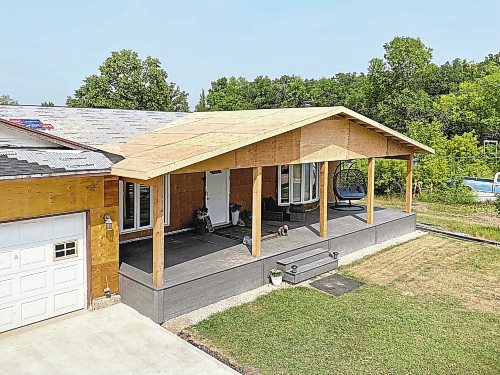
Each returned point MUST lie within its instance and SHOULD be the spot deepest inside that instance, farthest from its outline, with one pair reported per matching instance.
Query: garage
(42, 269)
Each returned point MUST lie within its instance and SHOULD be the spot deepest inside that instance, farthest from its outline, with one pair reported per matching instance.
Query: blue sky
(48, 47)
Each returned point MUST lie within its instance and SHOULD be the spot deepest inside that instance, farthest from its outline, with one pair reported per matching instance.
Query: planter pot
(235, 216)
(276, 280)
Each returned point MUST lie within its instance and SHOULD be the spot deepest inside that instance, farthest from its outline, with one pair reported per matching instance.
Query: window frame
(302, 185)
(136, 227)
(65, 256)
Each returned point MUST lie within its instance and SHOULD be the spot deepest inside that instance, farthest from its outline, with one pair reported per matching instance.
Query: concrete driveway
(114, 340)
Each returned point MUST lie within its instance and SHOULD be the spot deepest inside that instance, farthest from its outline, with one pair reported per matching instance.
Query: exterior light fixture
(108, 222)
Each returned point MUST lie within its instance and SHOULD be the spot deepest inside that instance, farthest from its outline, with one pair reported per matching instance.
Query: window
(298, 182)
(136, 206)
(65, 250)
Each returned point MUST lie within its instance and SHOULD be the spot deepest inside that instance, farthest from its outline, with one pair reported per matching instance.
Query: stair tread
(301, 256)
(312, 265)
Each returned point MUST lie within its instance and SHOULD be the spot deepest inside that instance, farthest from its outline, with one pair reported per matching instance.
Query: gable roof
(91, 127)
(203, 135)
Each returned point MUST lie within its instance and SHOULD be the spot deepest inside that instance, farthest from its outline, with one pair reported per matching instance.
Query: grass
(478, 219)
(406, 319)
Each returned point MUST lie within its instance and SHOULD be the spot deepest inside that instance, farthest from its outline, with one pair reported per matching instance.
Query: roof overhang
(201, 136)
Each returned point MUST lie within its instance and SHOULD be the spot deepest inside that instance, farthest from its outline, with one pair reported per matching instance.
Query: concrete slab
(114, 340)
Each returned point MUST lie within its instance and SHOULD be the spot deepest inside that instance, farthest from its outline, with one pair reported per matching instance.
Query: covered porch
(203, 269)
(169, 275)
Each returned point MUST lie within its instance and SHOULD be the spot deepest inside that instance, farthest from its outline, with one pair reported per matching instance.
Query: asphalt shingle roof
(89, 126)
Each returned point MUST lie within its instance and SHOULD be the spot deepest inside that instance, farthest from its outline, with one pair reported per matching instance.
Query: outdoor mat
(336, 284)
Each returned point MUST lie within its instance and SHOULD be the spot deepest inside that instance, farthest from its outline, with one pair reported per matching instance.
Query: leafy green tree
(126, 81)
(7, 100)
(202, 103)
(474, 107)
(230, 94)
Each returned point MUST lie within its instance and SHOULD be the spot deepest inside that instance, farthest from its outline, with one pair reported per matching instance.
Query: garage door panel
(9, 262)
(35, 309)
(34, 283)
(37, 256)
(69, 300)
(68, 275)
(7, 318)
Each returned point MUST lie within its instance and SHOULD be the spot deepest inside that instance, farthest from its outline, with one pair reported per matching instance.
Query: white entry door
(42, 269)
(217, 196)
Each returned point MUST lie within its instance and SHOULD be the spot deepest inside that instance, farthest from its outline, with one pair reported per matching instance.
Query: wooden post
(370, 194)
(256, 210)
(409, 183)
(323, 199)
(158, 230)
(332, 165)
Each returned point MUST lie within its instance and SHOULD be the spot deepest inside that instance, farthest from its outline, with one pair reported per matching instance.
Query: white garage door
(42, 269)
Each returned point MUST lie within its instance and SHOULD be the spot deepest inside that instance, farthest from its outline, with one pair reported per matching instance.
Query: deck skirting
(172, 300)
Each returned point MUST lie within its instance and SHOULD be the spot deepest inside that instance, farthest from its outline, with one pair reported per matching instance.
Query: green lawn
(477, 219)
(400, 322)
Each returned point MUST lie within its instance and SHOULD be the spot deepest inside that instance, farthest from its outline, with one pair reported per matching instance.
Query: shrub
(497, 204)
(451, 195)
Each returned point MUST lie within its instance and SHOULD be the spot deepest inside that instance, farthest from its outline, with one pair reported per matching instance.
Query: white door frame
(228, 185)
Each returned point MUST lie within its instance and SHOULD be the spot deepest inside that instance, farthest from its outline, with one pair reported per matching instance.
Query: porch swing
(349, 184)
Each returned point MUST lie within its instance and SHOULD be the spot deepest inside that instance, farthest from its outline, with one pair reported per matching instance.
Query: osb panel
(324, 140)
(395, 148)
(24, 199)
(241, 185)
(365, 143)
(187, 193)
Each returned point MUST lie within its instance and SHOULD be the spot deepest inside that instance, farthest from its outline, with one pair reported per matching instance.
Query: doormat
(336, 284)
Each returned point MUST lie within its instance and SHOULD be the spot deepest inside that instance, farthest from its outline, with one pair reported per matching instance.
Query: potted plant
(235, 212)
(276, 276)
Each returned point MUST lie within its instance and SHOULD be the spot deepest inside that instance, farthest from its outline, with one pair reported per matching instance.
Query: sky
(49, 47)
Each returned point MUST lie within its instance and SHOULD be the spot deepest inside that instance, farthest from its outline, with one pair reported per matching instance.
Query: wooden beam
(370, 194)
(409, 183)
(323, 199)
(158, 230)
(150, 182)
(256, 211)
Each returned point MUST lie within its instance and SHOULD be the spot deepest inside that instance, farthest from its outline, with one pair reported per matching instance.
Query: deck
(203, 269)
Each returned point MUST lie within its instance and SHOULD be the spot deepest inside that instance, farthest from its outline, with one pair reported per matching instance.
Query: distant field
(478, 219)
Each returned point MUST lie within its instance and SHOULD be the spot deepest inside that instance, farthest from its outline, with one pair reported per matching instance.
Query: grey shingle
(92, 126)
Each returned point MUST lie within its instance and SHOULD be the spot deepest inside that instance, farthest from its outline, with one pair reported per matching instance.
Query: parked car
(484, 189)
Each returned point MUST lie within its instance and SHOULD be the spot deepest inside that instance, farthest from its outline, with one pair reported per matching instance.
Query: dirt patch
(210, 350)
(434, 265)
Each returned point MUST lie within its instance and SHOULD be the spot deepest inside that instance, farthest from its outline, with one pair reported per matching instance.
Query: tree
(47, 104)
(7, 100)
(474, 107)
(126, 81)
(202, 103)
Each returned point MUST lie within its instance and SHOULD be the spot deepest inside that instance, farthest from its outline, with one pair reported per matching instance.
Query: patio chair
(349, 185)
(271, 210)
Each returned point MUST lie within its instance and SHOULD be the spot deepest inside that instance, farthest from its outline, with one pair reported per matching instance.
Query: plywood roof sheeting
(201, 136)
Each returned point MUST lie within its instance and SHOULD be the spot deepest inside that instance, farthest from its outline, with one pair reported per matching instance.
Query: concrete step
(301, 259)
(312, 269)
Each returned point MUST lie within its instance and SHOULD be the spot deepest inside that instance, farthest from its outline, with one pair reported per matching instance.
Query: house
(89, 195)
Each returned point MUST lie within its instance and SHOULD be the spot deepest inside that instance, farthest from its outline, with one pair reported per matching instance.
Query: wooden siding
(326, 140)
(25, 199)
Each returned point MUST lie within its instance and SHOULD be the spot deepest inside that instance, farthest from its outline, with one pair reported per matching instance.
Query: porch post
(256, 210)
(371, 191)
(158, 230)
(409, 183)
(323, 199)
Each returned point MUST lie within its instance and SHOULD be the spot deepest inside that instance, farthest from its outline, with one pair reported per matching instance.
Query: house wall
(241, 185)
(187, 193)
(31, 198)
